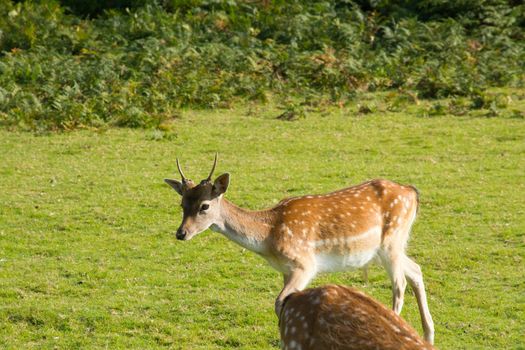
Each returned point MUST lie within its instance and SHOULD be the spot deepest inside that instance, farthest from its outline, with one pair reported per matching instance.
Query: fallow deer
(306, 235)
(340, 318)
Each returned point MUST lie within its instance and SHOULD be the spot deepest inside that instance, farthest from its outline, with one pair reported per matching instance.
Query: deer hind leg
(296, 281)
(393, 264)
(415, 279)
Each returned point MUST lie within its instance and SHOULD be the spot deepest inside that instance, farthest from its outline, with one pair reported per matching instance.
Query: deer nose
(181, 234)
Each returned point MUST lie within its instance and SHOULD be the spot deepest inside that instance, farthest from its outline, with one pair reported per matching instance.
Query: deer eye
(204, 207)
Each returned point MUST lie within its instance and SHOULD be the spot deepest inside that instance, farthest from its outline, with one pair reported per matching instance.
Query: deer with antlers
(303, 236)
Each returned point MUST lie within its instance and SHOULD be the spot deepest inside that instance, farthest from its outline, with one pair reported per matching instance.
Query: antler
(180, 172)
(186, 182)
(213, 168)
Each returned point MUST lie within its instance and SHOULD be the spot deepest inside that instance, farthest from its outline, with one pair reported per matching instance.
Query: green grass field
(88, 258)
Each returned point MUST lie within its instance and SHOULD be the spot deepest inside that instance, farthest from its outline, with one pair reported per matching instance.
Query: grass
(88, 259)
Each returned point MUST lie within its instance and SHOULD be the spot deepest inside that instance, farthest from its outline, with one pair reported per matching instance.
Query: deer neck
(249, 229)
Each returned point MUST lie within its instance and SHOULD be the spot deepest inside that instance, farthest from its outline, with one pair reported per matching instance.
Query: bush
(76, 64)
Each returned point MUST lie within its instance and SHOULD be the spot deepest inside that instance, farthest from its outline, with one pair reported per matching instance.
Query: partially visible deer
(303, 236)
(340, 318)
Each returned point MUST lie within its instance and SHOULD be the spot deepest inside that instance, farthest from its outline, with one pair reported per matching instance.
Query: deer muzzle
(181, 234)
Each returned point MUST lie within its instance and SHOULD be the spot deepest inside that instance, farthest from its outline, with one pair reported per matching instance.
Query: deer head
(201, 203)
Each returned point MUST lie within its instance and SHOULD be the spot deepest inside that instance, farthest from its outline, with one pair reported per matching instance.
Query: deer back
(337, 317)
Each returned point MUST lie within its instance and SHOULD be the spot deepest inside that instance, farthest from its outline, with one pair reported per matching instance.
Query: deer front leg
(364, 269)
(296, 281)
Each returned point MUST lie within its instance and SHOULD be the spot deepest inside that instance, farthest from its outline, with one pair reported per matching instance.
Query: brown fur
(305, 235)
(341, 318)
(348, 212)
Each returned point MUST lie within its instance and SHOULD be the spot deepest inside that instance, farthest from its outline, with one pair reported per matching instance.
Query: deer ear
(177, 185)
(220, 185)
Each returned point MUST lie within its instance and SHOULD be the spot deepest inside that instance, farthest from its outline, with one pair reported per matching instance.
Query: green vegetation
(298, 97)
(88, 259)
(92, 64)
